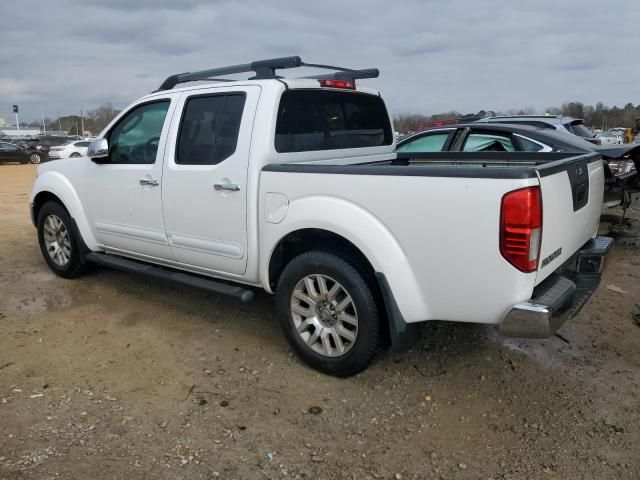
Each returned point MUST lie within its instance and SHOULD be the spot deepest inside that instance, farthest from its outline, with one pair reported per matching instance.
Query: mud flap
(403, 335)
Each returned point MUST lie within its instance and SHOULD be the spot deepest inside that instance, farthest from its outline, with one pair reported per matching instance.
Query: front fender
(60, 186)
(360, 227)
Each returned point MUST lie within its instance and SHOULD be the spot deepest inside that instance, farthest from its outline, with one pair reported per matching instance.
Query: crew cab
(293, 185)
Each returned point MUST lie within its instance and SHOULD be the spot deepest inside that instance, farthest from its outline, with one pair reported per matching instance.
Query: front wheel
(60, 241)
(328, 313)
(34, 158)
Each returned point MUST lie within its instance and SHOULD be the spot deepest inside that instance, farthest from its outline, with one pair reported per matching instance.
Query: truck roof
(292, 83)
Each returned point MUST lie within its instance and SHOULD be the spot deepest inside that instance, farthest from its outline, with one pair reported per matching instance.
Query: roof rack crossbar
(348, 74)
(267, 69)
(262, 69)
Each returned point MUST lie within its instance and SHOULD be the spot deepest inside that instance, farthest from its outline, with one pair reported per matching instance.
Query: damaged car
(621, 162)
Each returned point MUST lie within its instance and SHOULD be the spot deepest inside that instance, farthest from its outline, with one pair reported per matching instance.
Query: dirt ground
(121, 377)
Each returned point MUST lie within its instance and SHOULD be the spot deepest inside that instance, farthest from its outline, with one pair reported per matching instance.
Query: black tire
(75, 155)
(76, 264)
(367, 342)
(35, 158)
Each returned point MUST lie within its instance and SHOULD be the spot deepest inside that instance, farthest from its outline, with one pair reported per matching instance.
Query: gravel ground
(118, 376)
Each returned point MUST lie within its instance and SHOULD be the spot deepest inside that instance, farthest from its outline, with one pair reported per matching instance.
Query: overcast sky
(434, 56)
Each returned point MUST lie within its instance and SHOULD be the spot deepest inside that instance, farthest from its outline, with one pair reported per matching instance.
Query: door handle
(229, 187)
(149, 183)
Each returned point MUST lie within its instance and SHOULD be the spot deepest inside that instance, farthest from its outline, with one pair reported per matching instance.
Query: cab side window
(209, 130)
(135, 138)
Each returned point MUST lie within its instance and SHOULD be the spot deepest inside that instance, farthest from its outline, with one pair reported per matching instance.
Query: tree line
(598, 116)
(94, 121)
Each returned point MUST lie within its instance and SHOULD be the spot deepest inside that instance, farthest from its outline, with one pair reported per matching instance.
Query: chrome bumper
(561, 296)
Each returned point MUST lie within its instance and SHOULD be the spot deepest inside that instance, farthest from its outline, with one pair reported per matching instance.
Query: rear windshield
(578, 128)
(329, 120)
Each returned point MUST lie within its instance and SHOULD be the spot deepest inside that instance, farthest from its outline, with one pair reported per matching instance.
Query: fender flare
(57, 184)
(360, 227)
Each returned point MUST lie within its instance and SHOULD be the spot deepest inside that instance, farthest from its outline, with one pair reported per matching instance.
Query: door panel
(205, 179)
(124, 197)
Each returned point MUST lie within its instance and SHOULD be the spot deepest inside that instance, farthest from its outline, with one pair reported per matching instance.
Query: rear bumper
(561, 296)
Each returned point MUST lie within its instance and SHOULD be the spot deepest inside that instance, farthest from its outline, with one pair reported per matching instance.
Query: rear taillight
(331, 83)
(521, 228)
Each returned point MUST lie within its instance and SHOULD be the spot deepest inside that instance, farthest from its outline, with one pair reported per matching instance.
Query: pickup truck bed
(438, 218)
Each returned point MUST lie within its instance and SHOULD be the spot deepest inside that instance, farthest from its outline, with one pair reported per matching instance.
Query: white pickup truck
(292, 185)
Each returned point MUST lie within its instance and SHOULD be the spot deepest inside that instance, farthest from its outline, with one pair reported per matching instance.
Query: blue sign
(15, 109)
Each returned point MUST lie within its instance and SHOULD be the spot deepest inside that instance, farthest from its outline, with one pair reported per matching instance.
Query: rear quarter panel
(436, 239)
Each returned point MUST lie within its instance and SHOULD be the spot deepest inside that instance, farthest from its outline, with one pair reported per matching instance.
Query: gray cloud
(434, 56)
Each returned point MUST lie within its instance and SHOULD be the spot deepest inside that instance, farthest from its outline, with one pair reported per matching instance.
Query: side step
(192, 280)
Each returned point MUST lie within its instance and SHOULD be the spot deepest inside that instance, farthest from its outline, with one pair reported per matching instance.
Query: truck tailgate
(572, 191)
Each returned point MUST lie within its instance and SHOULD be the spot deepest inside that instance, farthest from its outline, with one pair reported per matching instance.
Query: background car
(622, 162)
(574, 126)
(72, 149)
(609, 138)
(14, 153)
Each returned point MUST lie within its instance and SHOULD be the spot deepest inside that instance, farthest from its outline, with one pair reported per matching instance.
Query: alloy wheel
(324, 315)
(57, 240)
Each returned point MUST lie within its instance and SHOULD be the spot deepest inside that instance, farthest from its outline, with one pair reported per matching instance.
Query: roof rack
(264, 69)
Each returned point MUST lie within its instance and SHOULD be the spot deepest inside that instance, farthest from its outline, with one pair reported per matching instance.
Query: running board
(192, 280)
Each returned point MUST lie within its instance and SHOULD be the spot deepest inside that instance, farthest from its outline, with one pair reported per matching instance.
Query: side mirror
(98, 151)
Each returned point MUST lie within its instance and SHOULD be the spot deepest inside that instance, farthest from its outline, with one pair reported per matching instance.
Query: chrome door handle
(149, 183)
(230, 187)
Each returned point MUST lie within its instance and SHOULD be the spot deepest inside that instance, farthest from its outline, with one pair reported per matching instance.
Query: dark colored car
(13, 153)
(43, 142)
(622, 162)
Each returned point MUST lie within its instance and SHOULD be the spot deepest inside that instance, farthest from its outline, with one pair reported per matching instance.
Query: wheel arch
(53, 186)
(400, 334)
(303, 240)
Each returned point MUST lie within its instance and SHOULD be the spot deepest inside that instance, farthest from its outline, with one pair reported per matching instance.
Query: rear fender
(362, 229)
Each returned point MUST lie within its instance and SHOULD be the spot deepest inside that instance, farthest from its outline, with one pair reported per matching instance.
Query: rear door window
(430, 142)
(486, 142)
(527, 145)
(311, 120)
(209, 131)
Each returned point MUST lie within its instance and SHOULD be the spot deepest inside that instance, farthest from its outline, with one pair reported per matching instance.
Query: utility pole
(59, 123)
(15, 110)
(82, 123)
(44, 127)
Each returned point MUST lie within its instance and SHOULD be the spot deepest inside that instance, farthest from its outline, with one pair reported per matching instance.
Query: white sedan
(72, 149)
(609, 138)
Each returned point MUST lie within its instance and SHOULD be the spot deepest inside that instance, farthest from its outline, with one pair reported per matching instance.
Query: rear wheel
(60, 241)
(75, 155)
(34, 158)
(328, 313)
